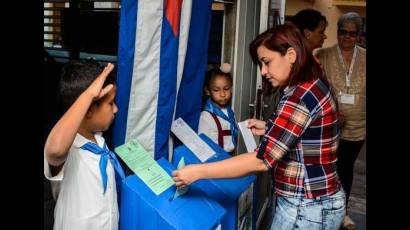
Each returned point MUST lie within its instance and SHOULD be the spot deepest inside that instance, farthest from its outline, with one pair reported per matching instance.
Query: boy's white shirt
(208, 126)
(81, 204)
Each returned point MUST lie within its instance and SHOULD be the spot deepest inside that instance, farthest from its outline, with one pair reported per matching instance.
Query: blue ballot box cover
(235, 195)
(142, 209)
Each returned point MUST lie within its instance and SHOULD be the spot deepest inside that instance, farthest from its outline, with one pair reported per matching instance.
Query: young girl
(217, 120)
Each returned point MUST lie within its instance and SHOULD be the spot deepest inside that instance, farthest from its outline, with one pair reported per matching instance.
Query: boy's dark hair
(77, 76)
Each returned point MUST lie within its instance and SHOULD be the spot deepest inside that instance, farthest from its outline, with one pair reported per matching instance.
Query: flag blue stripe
(191, 88)
(128, 22)
(167, 89)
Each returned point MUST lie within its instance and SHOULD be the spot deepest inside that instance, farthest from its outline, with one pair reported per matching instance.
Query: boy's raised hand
(95, 89)
(62, 135)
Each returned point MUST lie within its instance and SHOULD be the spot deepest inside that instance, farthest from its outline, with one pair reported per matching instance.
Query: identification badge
(347, 98)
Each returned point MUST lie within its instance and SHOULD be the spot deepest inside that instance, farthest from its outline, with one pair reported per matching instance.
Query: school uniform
(82, 203)
(219, 124)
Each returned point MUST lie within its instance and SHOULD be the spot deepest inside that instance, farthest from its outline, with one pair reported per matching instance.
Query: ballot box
(235, 195)
(142, 209)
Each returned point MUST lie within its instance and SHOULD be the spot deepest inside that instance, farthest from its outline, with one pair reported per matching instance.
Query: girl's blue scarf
(212, 108)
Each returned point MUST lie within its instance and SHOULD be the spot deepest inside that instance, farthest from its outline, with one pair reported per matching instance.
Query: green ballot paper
(180, 191)
(146, 168)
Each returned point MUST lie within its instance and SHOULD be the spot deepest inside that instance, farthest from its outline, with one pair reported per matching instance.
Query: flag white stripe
(185, 18)
(145, 78)
(185, 22)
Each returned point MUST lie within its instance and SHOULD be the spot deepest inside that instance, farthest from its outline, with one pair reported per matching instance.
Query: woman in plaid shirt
(300, 138)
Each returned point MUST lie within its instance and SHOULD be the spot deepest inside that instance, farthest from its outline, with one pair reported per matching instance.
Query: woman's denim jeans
(318, 213)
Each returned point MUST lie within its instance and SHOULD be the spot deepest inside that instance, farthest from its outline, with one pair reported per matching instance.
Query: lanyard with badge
(346, 97)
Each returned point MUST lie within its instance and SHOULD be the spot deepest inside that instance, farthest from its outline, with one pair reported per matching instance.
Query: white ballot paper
(247, 136)
(191, 140)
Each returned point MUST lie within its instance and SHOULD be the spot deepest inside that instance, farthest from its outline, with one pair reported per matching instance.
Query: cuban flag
(162, 59)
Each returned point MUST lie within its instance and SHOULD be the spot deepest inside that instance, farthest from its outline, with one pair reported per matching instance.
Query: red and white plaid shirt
(301, 140)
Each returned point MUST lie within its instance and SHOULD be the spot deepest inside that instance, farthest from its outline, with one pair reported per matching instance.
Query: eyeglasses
(346, 33)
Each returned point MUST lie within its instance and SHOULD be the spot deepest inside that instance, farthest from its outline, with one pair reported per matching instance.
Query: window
(88, 29)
